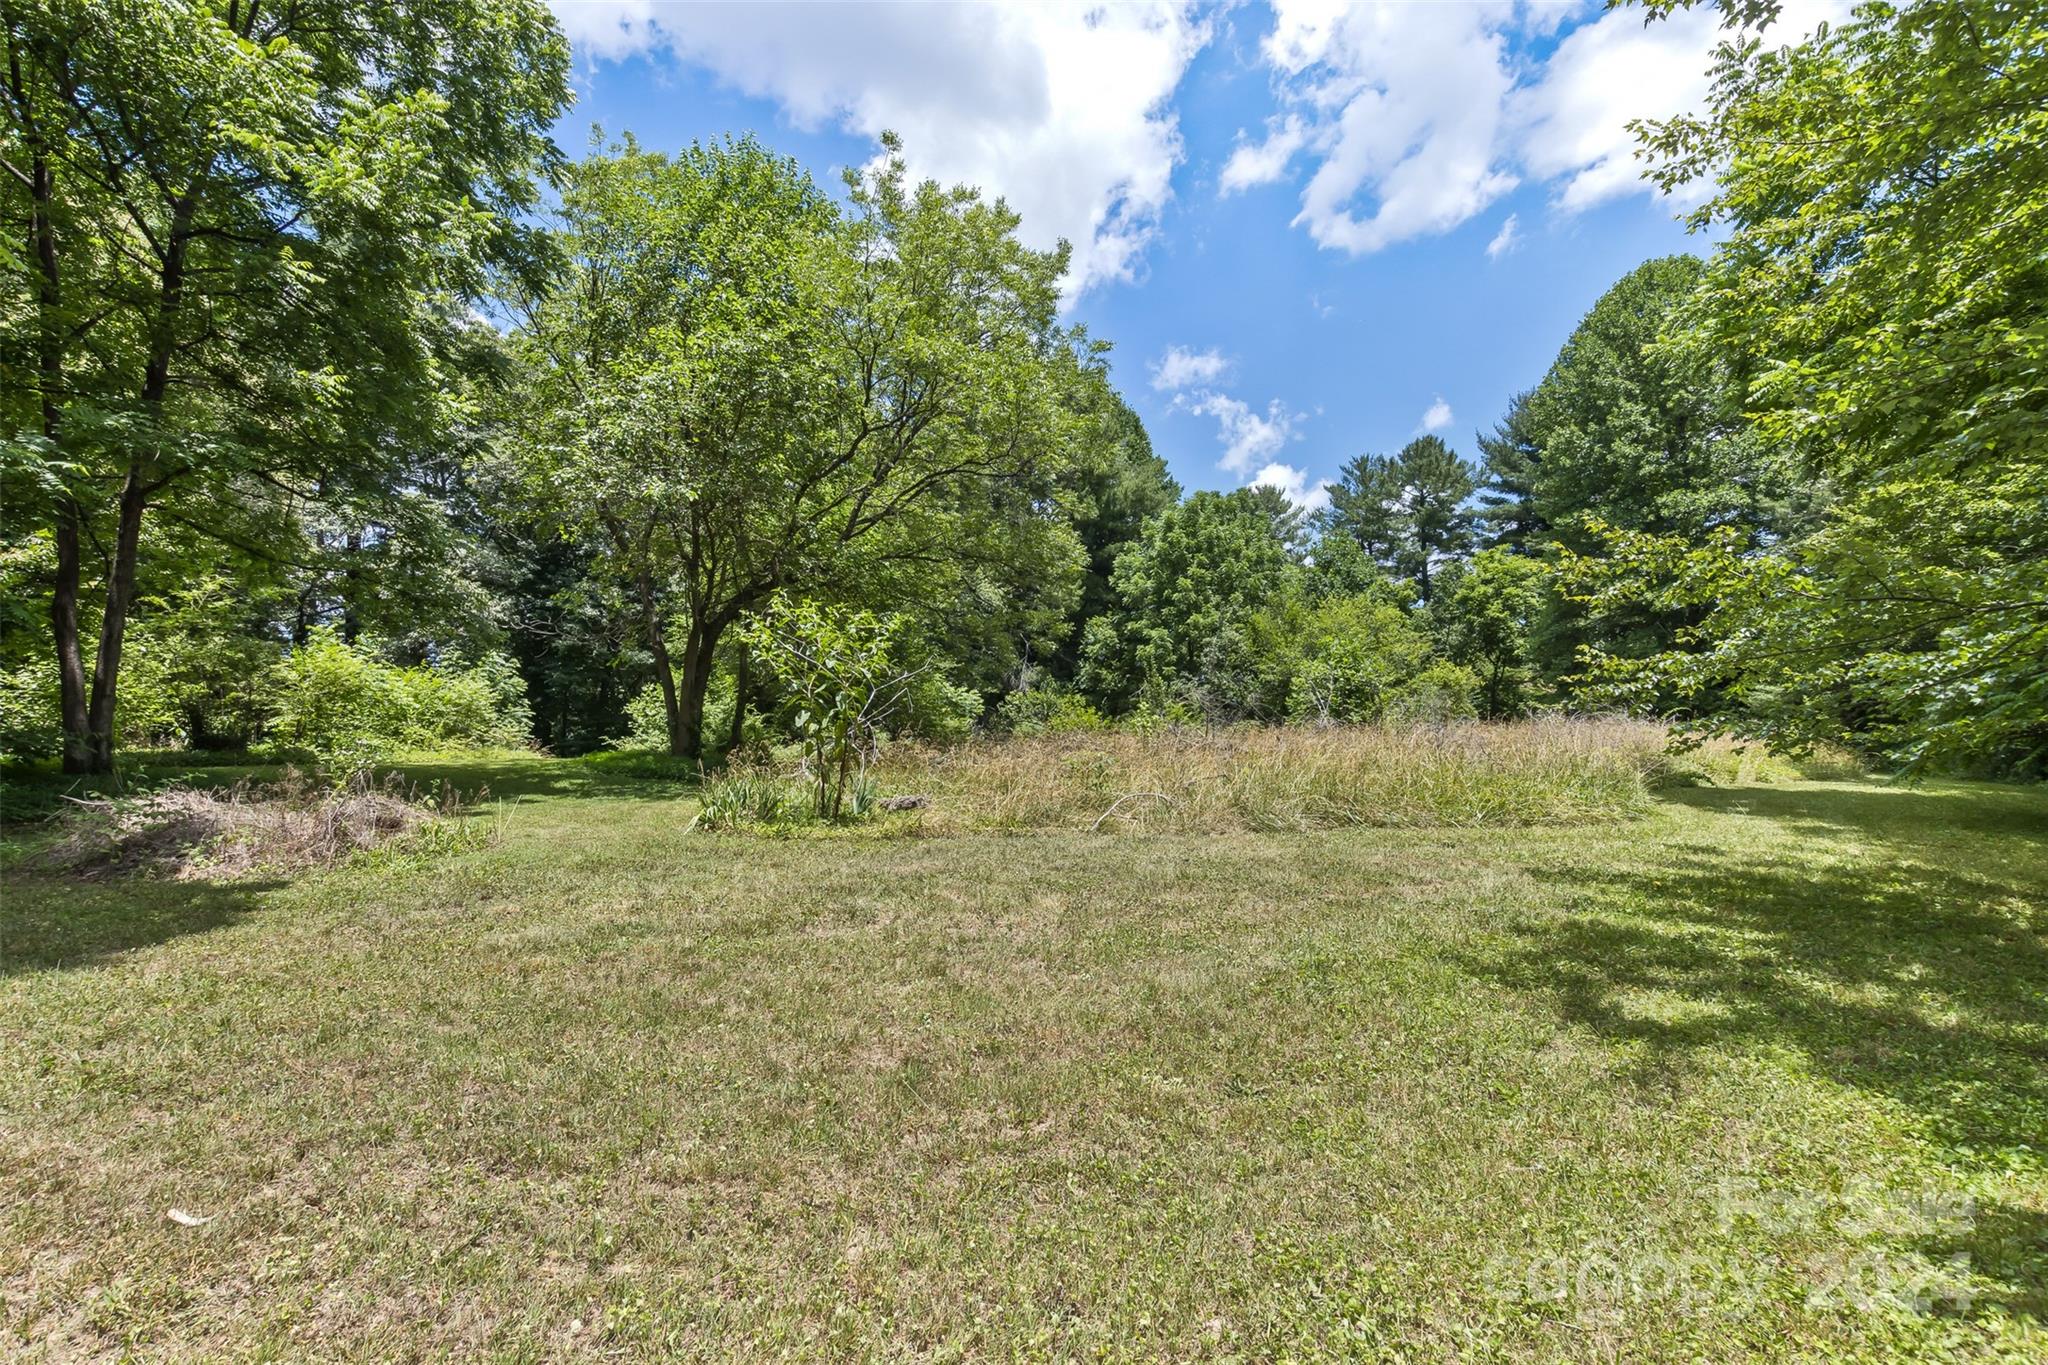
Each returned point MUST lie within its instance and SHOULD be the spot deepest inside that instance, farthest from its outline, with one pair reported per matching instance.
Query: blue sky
(1310, 229)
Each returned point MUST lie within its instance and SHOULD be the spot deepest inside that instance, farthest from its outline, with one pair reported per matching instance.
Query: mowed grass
(1762, 1074)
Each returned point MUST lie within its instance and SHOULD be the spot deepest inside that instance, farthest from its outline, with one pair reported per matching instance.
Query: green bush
(349, 709)
(30, 721)
(1048, 709)
(935, 708)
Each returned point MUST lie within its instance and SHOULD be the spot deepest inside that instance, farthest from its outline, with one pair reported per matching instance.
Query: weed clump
(186, 832)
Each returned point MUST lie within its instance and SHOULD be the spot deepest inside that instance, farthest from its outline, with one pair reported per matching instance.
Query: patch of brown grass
(1293, 778)
(185, 832)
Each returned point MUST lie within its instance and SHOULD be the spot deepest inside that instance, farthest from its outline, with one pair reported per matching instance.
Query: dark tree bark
(64, 626)
(656, 631)
(738, 732)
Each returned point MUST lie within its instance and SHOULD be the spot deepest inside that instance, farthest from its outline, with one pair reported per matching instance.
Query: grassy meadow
(1743, 1072)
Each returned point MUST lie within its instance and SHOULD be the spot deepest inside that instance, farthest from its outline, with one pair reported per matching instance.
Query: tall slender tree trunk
(70, 663)
(142, 479)
(42, 244)
(351, 614)
(738, 733)
(106, 667)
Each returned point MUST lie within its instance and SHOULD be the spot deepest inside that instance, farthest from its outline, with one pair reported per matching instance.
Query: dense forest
(344, 413)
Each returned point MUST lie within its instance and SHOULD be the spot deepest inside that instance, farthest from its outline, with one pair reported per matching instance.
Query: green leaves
(1883, 289)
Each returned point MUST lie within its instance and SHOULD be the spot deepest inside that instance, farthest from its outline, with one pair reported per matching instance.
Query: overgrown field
(1289, 778)
(1757, 1072)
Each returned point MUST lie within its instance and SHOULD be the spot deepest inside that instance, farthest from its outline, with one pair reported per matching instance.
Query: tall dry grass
(1532, 772)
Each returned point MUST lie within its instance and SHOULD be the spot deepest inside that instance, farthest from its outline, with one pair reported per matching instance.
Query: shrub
(935, 708)
(30, 714)
(842, 671)
(1048, 709)
(348, 709)
(1441, 692)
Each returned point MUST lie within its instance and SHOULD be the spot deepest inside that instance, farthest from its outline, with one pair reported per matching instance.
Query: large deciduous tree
(1199, 572)
(739, 388)
(1882, 286)
(236, 235)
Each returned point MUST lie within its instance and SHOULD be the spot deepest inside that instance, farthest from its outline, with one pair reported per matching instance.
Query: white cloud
(1420, 116)
(1407, 101)
(1249, 436)
(1309, 497)
(1261, 163)
(1181, 368)
(1438, 416)
(1062, 109)
(1506, 240)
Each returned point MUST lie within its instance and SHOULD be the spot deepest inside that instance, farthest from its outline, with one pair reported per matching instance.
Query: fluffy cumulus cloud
(1437, 416)
(1065, 110)
(1248, 435)
(1181, 368)
(1414, 118)
(1266, 160)
(1309, 497)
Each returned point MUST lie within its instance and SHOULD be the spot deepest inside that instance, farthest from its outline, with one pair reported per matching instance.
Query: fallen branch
(1117, 805)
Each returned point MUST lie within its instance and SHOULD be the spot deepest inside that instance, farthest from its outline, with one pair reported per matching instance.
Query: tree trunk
(351, 617)
(70, 662)
(699, 650)
(42, 243)
(738, 734)
(106, 667)
(135, 490)
(664, 672)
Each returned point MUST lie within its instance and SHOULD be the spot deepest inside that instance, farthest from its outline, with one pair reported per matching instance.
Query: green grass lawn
(1762, 1075)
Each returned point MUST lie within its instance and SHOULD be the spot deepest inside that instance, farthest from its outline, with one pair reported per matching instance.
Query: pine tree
(1507, 514)
(1435, 524)
(1365, 507)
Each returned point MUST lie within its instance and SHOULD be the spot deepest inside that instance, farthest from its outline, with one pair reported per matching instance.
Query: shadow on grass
(29, 794)
(48, 922)
(1916, 970)
(1904, 813)
(633, 776)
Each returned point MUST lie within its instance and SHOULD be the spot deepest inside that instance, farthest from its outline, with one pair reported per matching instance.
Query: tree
(245, 231)
(1484, 617)
(1365, 507)
(1511, 464)
(1633, 435)
(1434, 523)
(1290, 523)
(1622, 433)
(1882, 289)
(1115, 485)
(737, 387)
(1200, 570)
(1406, 513)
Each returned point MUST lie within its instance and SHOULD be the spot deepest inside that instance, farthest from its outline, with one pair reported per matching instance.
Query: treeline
(320, 433)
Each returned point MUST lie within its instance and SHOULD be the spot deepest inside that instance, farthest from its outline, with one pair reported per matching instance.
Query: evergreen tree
(1434, 523)
(1512, 463)
(1365, 507)
(1290, 523)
